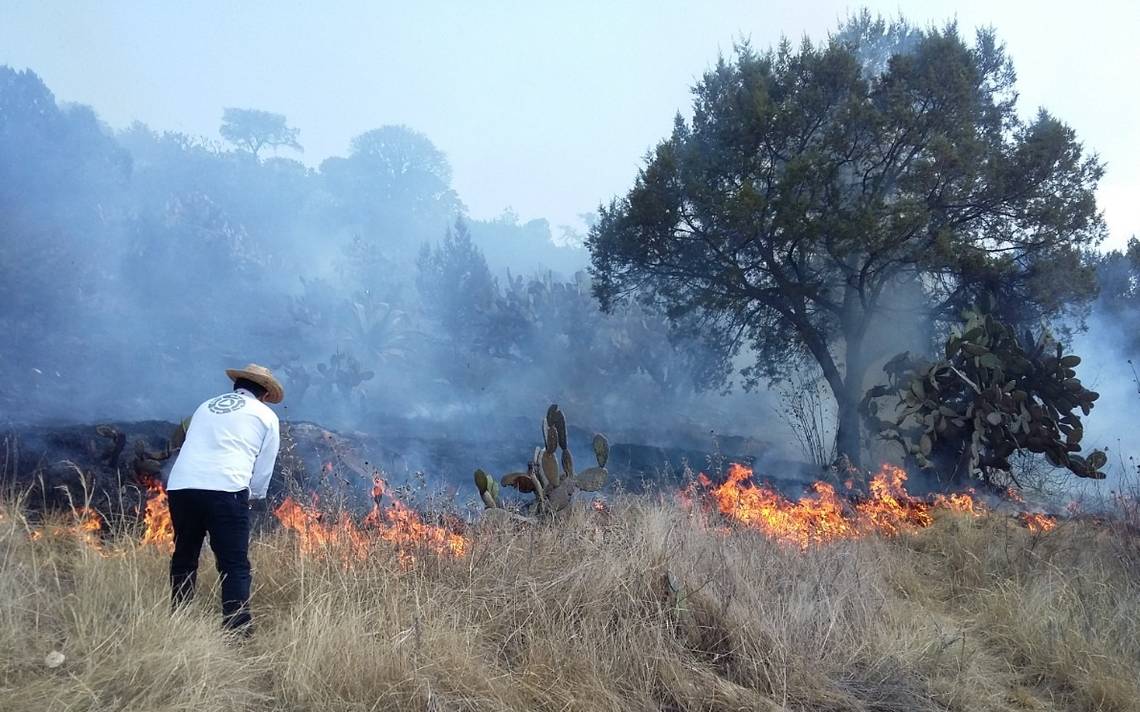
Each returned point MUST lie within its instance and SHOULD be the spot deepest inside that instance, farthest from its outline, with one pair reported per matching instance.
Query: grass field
(643, 607)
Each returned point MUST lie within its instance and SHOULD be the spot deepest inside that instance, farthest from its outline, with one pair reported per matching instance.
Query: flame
(396, 524)
(158, 529)
(88, 528)
(1038, 522)
(823, 515)
(961, 502)
(404, 528)
(373, 518)
(315, 535)
(90, 524)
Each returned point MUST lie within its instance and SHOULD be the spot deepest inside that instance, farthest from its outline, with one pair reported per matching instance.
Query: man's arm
(263, 465)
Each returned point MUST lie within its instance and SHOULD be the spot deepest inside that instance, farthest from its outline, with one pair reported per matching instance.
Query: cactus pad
(522, 481)
(482, 480)
(592, 479)
(558, 420)
(601, 449)
(567, 465)
(559, 497)
(550, 469)
(488, 488)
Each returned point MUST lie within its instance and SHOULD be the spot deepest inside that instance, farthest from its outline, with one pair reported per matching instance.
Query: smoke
(1108, 367)
(135, 266)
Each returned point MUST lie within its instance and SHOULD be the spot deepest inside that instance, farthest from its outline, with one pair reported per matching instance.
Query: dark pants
(225, 517)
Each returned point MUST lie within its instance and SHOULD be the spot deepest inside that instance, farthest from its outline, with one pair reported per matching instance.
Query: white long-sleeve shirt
(231, 445)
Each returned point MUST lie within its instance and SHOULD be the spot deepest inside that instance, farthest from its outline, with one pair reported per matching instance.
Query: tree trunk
(846, 386)
(847, 389)
(849, 436)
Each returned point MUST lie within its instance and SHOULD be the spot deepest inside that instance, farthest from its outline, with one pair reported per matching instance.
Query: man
(227, 458)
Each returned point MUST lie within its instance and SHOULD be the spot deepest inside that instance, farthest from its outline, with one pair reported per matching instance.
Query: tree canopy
(393, 176)
(254, 130)
(808, 186)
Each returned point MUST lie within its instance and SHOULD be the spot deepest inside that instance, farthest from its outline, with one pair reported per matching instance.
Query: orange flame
(404, 528)
(396, 524)
(314, 535)
(87, 528)
(1038, 522)
(90, 523)
(823, 515)
(961, 502)
(158, 529)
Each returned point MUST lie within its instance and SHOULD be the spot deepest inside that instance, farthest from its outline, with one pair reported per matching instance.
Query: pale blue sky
(546, 107)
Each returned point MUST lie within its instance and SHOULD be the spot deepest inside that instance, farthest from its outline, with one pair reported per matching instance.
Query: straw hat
(263, 377)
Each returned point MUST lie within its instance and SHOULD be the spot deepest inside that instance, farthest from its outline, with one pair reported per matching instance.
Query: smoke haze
(380, 273)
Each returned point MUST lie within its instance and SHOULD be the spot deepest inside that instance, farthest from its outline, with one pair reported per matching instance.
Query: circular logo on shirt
(226, 404)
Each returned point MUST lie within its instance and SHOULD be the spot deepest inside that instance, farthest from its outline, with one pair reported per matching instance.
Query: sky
(546, 108)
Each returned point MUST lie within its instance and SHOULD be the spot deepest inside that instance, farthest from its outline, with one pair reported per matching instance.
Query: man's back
(231, 439)
(226, 461)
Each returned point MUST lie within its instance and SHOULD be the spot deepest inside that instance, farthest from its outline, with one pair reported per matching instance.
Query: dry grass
(967, 615)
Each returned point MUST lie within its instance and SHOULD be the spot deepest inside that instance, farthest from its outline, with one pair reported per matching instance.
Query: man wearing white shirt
(227, 459)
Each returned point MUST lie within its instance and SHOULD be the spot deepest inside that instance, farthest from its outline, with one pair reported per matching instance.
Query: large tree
(395, 183)
(253, 130)
(810, 183)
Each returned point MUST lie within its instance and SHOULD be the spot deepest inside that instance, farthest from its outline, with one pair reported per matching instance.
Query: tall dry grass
(645, 608)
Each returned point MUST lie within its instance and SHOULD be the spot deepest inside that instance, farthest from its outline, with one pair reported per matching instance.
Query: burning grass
(638, 605)
(343, 539)
(824, 516)
(158, 530)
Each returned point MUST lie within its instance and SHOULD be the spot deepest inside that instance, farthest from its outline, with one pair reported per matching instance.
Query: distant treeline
(136, 264)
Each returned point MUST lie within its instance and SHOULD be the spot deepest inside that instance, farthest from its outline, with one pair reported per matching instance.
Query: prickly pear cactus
(549, 469)
(993, 394)
(557, 420)
(553, 488)
(591, 479)
(601, 449)
(488, 489)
